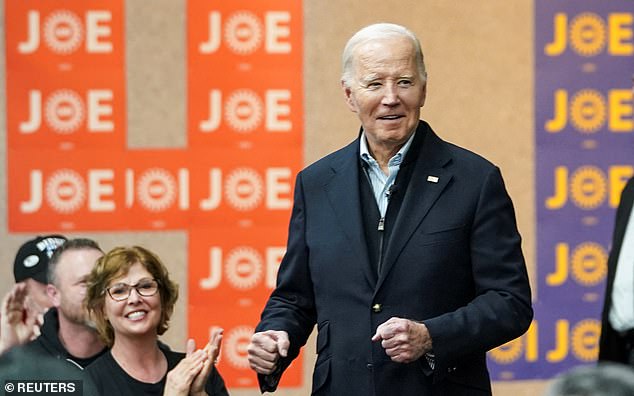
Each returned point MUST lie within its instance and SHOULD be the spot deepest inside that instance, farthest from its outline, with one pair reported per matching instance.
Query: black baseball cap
(32, 258)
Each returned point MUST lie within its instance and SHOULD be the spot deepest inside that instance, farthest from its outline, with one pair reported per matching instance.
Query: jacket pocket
(448, 233)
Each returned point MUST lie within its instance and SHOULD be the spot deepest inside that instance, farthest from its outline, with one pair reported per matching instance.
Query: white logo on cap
(31, 261)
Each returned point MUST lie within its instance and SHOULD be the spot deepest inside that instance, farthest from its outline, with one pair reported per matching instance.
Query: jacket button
(377, 308)
(369, 366)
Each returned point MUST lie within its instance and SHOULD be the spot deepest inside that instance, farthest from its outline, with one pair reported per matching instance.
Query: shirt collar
(394, 161)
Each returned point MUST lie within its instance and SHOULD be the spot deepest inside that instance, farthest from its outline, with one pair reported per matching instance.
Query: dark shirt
(20, 364)
(48, 343)
(111, 379)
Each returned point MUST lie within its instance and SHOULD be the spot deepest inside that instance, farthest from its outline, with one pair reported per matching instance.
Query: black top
(48, 343)
(111, 379)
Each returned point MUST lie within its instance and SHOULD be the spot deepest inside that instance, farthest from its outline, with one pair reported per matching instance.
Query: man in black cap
(22, 308)
(31, 267)
(67, 333)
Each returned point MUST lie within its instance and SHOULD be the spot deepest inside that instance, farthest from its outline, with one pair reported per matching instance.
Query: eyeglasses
(121, 291)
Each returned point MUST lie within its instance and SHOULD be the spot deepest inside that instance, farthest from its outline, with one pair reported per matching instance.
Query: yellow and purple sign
(584, 154)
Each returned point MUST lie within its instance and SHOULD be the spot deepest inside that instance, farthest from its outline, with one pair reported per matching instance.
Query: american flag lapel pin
(432, 179)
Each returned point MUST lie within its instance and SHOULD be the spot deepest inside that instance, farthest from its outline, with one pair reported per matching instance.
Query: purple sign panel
(584, 154)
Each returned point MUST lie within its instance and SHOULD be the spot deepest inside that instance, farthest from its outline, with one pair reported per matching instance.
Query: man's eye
(406, 83)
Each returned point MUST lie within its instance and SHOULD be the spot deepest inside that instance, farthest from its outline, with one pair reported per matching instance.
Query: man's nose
(390, 95)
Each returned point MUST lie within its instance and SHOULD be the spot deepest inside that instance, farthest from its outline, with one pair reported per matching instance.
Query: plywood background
(479, 57)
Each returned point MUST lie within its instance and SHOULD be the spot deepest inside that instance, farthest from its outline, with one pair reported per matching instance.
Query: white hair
(373, 32)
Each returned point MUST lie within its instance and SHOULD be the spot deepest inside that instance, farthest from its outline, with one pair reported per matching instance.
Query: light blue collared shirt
(381, 183)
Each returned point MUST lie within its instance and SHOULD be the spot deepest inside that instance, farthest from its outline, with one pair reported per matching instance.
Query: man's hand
(404, 340)
(19, 323)
(265, 350)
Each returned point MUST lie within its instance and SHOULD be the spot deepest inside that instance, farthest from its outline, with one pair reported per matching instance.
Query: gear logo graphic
(587, 34)
(156, 190)
(244, 267)
(243, 111)
(588, 111)
(244, 189)
(589, 264)
(588, 187)
(64, 111)
(585, 340)
(63, 32)
(243, 33)
(235, 346)
(65, 191)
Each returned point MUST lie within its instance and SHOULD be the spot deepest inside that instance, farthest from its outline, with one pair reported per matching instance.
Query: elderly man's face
(386, 92)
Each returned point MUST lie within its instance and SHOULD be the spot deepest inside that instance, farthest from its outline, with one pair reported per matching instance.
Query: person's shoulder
(103, 362)
(23, 363)
(467, 157)
(460, 158)
(33, 346)
(172, 357)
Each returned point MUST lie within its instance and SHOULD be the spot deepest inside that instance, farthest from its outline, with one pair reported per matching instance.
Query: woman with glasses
(131, 298)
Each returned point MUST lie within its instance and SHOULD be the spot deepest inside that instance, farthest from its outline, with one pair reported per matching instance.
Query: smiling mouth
(390, 117)
(136, 315)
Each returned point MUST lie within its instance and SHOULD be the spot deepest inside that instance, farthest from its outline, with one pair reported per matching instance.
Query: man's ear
(347, 92)
(422, 102)
(53, 294)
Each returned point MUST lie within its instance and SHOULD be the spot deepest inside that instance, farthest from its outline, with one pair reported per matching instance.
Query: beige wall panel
(479, 58)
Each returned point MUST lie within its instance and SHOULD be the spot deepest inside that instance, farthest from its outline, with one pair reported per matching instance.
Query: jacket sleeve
(291, 306)
(501, 308)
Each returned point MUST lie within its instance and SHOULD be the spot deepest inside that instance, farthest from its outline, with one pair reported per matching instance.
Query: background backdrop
(179, 125)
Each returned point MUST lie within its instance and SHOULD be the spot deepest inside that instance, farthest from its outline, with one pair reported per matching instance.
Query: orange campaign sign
(232, 189)
(245, 95)
(54, 53)
(140, 190)
(234, 272)
(244, 111)
(245, 73)
(44, 112)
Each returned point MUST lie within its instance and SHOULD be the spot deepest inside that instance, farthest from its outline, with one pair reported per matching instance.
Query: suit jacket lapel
(428, 180)
(344, 197)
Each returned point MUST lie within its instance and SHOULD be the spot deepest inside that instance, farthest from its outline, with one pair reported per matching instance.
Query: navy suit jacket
(611, 346)
(453, 261)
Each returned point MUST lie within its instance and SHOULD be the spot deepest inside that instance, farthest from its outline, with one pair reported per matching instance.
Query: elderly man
(403, 249)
